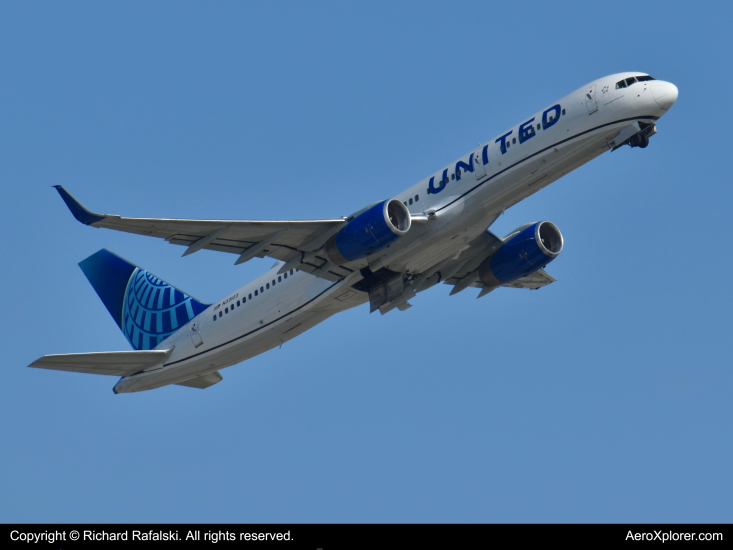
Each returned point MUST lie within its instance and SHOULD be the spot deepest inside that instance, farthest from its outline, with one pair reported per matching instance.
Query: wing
(283, 240)
(536, 280)
(462, 271)
(115, 363)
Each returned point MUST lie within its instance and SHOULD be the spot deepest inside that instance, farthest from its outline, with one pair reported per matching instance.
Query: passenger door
(479, 170)
(590, 99)
(195, 332)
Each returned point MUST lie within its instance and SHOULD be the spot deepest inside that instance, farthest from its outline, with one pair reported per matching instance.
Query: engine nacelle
(369, 232)
(532, 248)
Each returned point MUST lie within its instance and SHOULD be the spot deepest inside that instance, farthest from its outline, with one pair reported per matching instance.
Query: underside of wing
(466, 263)
(462, 271)
(115, 363)
(536, 280)
(282, 240)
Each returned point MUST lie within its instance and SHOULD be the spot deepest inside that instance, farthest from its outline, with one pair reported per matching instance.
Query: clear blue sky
(603, 397)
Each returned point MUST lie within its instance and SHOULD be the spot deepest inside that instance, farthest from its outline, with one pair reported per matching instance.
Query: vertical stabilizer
(146, 309)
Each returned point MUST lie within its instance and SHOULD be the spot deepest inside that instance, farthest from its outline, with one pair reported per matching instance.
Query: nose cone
(664, 93)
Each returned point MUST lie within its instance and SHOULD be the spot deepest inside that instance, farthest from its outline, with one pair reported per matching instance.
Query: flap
(536, 280)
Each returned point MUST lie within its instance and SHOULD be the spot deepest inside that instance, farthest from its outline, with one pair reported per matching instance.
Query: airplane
(384, 254)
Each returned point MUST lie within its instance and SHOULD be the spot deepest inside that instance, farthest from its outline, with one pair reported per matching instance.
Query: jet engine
(530, 248)
(370, 231)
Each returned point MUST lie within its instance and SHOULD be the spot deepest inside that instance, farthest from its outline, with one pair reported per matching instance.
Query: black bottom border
(327, 536)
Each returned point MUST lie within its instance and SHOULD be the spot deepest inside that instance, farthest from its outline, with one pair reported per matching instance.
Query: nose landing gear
(642, 138)
(639, 140)
(634, 135)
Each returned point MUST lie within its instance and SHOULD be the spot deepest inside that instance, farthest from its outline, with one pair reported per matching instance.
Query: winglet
(80, 213)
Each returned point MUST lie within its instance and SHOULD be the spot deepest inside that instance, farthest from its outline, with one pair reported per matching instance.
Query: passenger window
(410, 201)
(514, 140)
(452, 176)
(237, 303)
(538, 126)
(267, 285)
(244, 300)
(620, 84)
(286, 274)
(630, 81)
(563, 111)
(214, 317)
(273, 282)
(255, 293)
(279, 279)
(291, 271)
(226, 310)
(262, 289)
(417, 198)
(220, 314)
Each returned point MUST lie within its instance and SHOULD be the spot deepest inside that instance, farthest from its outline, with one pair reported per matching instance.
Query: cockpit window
(629, 81)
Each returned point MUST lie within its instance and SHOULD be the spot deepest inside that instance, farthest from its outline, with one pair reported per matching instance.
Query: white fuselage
(243, 324)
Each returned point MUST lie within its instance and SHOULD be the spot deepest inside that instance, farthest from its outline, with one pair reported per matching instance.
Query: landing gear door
(195, 332)
(479, 170)
(590, 99)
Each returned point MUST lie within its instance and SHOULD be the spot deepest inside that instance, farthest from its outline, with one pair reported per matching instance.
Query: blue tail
(146, 309)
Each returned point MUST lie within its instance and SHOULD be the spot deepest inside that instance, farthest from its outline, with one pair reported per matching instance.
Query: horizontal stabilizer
(203, 381)
(115, 363)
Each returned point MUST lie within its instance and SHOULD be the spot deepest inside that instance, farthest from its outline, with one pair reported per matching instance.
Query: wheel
(643, 141)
